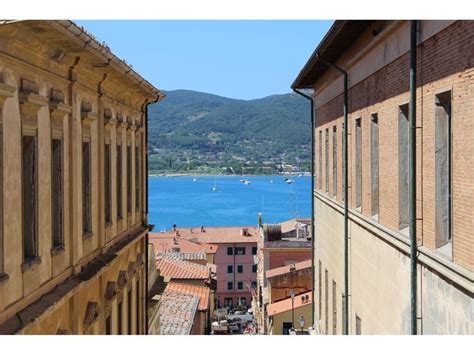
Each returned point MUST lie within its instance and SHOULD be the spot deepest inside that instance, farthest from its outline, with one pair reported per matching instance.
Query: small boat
(242, 180)
(271, 181)
(194, 180)
(289, 181)
(247, 182)
(215, 188)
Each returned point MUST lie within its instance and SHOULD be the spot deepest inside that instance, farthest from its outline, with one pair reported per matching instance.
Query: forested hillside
(197, 132)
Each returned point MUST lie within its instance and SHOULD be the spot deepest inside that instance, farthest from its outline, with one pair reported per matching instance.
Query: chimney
(244, 232)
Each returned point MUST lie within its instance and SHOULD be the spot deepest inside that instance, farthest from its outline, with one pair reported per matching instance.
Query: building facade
(376, 57)
(279, 245)
(73, 183)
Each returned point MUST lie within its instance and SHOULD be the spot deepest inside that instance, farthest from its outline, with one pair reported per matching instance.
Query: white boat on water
(215, 188)
(247, 182)
(289, 181)
(194, 180)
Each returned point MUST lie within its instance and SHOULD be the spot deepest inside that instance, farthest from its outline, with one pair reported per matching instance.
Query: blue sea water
(188, 203)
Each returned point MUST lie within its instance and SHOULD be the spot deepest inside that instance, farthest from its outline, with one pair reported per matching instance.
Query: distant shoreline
(223, 175)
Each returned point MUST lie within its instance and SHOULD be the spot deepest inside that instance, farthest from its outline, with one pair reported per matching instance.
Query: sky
(236, 59)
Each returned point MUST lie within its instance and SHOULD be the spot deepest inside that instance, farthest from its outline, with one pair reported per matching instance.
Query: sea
(190, 201)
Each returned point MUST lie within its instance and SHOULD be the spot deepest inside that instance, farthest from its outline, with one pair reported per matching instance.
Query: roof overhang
(337, 40)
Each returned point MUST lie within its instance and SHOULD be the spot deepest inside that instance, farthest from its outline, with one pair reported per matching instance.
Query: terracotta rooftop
(177, 312)
(214, 235)
(200, 291)
(181, 269)
(287, 269)
(285, 305)
(163, 243)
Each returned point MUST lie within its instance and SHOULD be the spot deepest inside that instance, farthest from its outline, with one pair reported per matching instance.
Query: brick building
(376, 58)
(73, 216)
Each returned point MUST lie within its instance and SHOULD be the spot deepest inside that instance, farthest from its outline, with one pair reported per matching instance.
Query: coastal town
(231, 280)
(385, 245)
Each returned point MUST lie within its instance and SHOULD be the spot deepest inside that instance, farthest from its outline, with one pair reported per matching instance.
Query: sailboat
(215, 188)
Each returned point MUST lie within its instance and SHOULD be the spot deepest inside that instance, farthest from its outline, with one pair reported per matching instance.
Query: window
(230, 251)
(254, 250)
(358, 325)
(240, 269)
(30, 198)
(320, 283)
(108, 326)
(137, 177)
(230, 285)
(239, 250)
(334, 161)
(57, 193)
(119, 181)
(240, 285)
(334, 308)
(326, 302)
(374, 166)
(254, 284)
(230, 269)
(326, 160)
(107, 184)
(403, 166)
(228, 302)
(129, 179)
(129, 312)
(358, 162)
(320, 158)
(254, 268)
(119, 318)
(287, 326)
(443, 165)
(86, 189)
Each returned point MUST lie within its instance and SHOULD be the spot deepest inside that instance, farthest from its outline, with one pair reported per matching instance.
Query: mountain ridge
(192, 130)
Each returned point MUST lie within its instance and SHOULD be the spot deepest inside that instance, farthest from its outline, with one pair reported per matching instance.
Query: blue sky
(237, 59)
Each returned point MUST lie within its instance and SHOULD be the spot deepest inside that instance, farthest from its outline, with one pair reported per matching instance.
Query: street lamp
(292, 295)
(302, 324)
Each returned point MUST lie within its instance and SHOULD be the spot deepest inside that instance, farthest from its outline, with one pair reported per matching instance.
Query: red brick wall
(445, 62)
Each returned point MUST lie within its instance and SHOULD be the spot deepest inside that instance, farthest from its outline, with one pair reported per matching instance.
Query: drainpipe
(146, 208)
(346, 194)
(412, 177)
(313, 273)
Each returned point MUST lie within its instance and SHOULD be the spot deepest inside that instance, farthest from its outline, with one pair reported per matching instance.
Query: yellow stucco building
(72, 183)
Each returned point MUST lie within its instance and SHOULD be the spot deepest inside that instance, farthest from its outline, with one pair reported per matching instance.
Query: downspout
(412, 178)
(146, 208)
(313, 273)
(346, 194)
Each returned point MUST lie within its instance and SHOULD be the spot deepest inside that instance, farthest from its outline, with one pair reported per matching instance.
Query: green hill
(194, 131)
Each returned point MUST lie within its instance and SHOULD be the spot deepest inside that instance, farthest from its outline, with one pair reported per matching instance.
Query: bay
(188, 203)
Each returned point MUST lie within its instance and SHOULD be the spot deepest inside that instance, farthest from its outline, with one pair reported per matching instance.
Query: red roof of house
(181, 269)
(214, 235)
(200, 291)
(287, 269)
(163, 244)
(286, 304)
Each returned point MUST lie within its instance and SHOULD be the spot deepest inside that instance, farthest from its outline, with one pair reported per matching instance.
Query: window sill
(29, 263)
(446, 251)
(3, 278)
(57, 250)
(87, 236)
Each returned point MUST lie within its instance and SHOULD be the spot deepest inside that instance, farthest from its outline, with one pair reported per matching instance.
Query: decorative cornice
(32, 100)
(6, 91)
(88, 117)
(58, 110)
